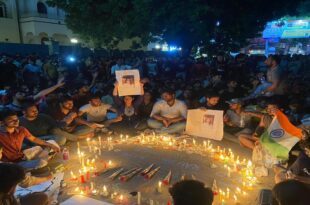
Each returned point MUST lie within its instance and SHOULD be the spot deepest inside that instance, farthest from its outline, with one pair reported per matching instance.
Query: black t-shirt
(41, 126)
(301, 166)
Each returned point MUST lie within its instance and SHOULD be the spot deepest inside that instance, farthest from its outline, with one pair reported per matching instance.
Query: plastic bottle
(65, 154)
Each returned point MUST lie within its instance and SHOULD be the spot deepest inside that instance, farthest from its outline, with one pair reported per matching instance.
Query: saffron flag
(280, 136)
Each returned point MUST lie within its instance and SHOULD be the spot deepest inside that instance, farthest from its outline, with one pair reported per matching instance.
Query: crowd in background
(55, 99)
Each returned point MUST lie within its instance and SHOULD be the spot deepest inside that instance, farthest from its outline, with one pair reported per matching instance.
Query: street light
(74, 40)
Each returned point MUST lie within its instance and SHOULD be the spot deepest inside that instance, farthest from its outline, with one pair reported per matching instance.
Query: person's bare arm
(49, 90)
(95, 75)
(158, 117)
(38, 141)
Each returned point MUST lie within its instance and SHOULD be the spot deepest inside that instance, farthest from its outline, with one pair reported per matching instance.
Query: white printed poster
(128, 82)
(205, 123)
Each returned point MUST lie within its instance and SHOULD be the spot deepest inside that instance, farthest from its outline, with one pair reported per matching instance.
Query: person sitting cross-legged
(168, 115)
(96, 110)
(11, 138)
(68, 120)
(41, 125)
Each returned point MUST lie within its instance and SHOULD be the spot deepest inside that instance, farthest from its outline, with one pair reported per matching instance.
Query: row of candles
(231, 163)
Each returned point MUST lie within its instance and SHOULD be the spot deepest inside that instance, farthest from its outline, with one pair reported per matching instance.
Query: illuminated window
(41, 8)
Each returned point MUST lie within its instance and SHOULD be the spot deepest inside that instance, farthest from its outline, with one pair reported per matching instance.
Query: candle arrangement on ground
(99, 176)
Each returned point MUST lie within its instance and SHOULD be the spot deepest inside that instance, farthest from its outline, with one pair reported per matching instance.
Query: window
(2, 10)
(41, 8)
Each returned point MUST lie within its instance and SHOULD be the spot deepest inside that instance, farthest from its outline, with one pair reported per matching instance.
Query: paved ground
(133, 155)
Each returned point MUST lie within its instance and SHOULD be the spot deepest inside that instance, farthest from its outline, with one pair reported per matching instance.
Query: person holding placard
(168, 115)
(127, 109)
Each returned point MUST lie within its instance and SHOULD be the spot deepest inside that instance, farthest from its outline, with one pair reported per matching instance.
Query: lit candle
(249, 165)
(228, 191)
(139, 198)
(77, 189)
(208, 143)
(127, 138)
(88, 144)
(205, 145)
(105, 191)
(238, 190)
(87, 162)
(159, 186)
(91, 186)
(110, 163)
(228, 171)
(194, 142)
(121, 198)
(82, 177)
(235, 198)
(218, 148)
(99, 138)
(72, 175)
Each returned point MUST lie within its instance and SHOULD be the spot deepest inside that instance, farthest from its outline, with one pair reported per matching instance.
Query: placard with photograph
(128, 82)
(205, 123)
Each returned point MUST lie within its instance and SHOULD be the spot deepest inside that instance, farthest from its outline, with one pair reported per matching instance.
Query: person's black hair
(10, 175)
(211, 94)
(6, 113)
(65, 98)
(96, 95)
(28, 105)
(290, 192)
(191, 192)
(167, 90)
(276, 58)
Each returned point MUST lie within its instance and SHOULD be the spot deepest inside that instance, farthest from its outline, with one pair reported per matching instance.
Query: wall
(9, 31)
(23, 49)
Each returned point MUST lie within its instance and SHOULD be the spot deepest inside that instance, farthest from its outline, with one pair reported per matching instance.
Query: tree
(186, 23)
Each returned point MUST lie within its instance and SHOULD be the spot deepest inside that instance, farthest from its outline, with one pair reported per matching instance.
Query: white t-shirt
(95, 114)
(117, 67)
(178, 109)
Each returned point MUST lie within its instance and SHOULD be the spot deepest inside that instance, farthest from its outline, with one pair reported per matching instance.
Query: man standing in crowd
(168, 115)
(11, 138)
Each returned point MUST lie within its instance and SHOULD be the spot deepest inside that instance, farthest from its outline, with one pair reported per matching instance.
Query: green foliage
(181, 22)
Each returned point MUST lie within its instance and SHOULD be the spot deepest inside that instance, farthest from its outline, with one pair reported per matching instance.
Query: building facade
(32, 22)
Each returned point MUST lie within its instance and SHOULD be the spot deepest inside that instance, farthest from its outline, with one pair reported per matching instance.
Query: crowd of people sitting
(48, 102)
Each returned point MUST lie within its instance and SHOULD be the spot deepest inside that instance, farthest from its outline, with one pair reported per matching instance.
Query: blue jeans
(160, 128)
(33, 164)
(261, 88)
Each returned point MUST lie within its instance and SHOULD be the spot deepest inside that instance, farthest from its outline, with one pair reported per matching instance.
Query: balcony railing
(49, 16)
